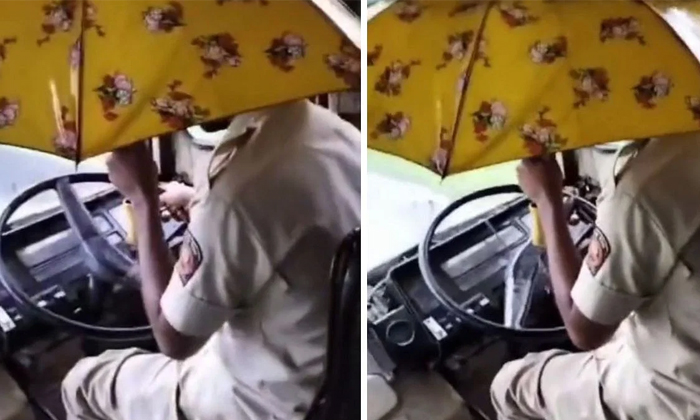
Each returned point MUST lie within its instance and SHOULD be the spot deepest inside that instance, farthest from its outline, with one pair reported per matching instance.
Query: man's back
(296, 188)
(663, 183)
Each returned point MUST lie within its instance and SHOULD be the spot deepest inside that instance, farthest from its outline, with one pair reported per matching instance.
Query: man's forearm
(156, 269)
(563, 257)
(155, 260)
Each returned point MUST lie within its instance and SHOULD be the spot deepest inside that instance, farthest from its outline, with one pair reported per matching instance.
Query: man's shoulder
(315, 136)
(329, 124)
(303, 150)
(661, 181)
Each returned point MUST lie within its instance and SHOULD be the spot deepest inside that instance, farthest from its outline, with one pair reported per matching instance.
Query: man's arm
(156, 270)
(133, 171)
(541, 180)
(564, 267)
(628, 262)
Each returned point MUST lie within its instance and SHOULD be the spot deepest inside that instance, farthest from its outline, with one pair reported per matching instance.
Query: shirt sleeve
(220, 262)
(627, 263)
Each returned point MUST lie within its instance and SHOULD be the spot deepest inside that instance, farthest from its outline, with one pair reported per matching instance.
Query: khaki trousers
(606, 384)
(137, 385)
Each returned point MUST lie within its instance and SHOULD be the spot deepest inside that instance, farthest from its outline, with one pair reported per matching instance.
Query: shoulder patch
(598, 251)
(190, 257)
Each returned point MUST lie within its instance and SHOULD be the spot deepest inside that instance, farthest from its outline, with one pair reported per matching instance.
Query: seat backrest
(339, 396)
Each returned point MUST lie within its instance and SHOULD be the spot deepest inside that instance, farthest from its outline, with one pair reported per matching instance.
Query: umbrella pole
(467, 79)
(77, 87)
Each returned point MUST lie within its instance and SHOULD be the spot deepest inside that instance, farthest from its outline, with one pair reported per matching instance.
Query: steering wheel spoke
(528, 300)
(526, 268)
(79, 217)
(518, 298)
(105, 261)
(108, 266)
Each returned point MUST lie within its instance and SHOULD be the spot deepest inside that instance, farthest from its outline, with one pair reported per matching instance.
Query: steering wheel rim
(470, 318)
(9, 275)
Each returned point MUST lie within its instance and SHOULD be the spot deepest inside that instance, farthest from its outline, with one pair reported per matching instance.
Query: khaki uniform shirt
(254, 271)
(643, 269)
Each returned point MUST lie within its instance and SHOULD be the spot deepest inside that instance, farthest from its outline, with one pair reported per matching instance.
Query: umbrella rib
(465, 87)
(81, 69)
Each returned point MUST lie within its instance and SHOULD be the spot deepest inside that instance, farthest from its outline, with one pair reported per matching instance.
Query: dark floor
(44, 373)
(471, 375)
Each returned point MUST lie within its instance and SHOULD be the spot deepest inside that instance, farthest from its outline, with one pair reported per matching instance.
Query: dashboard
(407, 324)
(49, 250)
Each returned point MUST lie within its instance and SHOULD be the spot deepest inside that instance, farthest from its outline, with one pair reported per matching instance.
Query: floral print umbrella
(457, 85)
(79, 78)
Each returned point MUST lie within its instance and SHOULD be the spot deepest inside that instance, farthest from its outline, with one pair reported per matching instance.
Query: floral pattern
(75, 55)
(65, 143)
(91, 19)
(346, 64)
(542, 52)
(374, 55)
(286, 50)
(441, 155)
(626, 28)
(164, 19)
(9, 112)
(393, 126)
(652, 88)
(693, 105)
(490, 116)
(457, 47)
(590, 83)
(217, 51)
(57, 27)
(3, 48)
(409, 10)
(58, 17)
(394, 74)
(177, 109)
(541, 137)
(116, 91)
(593, 82)
(516, 14)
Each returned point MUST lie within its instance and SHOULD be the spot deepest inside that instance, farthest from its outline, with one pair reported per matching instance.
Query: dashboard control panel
(471, 264)
(49, 250)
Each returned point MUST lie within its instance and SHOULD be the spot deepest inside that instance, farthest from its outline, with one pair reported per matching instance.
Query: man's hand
(176, 198)
(541, 180)
(133, 171)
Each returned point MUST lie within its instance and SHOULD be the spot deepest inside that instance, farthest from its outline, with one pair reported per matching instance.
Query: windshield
(23, 168)
(402, 200)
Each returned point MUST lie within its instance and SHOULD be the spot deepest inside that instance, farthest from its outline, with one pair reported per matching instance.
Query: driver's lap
(608, 383)
(136, 385)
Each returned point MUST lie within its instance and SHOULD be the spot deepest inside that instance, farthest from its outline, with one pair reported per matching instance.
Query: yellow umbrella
(80, 78)
(457, 85)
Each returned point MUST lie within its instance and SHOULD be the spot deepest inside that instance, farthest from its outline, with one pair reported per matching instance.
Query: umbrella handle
(537, 233)
(131, 237)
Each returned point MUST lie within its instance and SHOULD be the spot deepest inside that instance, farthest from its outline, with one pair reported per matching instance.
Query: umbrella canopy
(456, 85)
(79, 78)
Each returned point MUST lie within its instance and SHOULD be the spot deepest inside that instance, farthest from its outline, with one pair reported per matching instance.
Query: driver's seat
(339, 396)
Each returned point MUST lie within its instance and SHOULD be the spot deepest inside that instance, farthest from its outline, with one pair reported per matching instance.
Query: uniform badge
(598, 251)
(190, 257)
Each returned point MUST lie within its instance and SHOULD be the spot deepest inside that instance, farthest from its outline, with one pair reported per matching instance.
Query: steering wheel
(104, 261)
(526, 281)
